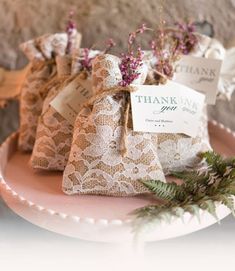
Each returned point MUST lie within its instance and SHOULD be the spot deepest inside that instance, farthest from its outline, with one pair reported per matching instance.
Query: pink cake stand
(37, 197)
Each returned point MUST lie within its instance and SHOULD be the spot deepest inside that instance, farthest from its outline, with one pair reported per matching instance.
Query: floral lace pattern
(95, 164)
(32, 96)
(33, 91)
(54, 132)
(54, 135)
(178, 152)
(50, 44)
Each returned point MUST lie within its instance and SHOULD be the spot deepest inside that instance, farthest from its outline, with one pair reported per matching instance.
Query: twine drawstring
(109, 92)
(123, 142)
(112, 91)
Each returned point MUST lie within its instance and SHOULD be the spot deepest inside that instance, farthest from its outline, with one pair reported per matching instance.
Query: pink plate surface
(37, 197)
(45, 188)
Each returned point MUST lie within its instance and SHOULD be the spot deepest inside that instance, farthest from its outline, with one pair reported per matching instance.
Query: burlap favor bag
(42, 69)
(178, 152)
(54, 132)
(102, 134)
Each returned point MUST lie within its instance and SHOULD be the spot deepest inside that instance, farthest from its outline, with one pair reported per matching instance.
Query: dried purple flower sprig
(109, 45)
(70, 29)
(168, 46)
(185, 37)
(86, 60)
(164, 53)
(133, 59)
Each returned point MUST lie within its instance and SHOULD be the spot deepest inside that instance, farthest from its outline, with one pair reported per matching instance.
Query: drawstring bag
(42, 69)
(41, 53)
(107, 157)
(178, 152)
(54, 132)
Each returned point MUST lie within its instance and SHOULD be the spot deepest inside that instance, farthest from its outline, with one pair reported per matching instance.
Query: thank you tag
(201, 74)
(69, 101)
(169, 108)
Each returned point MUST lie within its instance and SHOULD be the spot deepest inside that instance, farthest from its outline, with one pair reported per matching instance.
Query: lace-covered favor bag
(107, 157)
(41, 53)
(178, 152)
(54, 132)
(41, 72)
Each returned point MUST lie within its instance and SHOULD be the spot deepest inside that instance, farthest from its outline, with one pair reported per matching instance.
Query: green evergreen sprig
(200, 190)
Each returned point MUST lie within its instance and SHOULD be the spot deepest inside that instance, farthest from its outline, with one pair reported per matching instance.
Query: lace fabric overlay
(178, 152)
(95, 164)
(50, 44)
(31, 100)
(54, 132)
(54, 135)
(41, 53)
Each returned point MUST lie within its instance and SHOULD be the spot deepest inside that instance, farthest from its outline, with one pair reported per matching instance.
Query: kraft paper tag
(69, 101)
(201, 74)
(169, 108)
